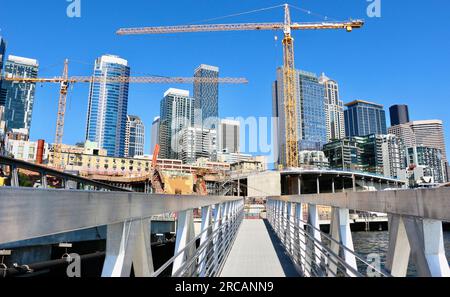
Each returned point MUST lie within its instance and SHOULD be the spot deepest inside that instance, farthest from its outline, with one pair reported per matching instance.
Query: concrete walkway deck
(257, 252)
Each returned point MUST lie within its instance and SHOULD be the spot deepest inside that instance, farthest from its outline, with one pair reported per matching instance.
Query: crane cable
(236, 14)
(309, 12)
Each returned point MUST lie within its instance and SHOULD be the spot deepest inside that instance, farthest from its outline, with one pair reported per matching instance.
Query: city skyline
(257, 92)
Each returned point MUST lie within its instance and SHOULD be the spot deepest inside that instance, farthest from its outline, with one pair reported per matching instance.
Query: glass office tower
(311, 117)
(19, 97)
(177, 113)
(206, 96)
(363, 118)
(134, 137)
(399, 114)
(108, 106)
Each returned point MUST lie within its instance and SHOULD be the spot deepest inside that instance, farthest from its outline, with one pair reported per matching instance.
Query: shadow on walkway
(286, 263)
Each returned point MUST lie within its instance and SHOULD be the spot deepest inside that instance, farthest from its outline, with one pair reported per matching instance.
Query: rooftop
(355, 102)
(113, 60)
(207, 67)
(179, 92)
(22, 60)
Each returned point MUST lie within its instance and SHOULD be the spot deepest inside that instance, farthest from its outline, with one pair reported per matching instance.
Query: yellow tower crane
(65, 81)
(290, 90)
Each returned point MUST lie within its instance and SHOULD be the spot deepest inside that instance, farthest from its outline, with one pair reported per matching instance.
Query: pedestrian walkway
(257, 252)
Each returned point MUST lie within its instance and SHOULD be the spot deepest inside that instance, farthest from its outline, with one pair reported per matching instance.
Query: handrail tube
(188, 265)
(190, 243)
(337, 242)
(336, 256)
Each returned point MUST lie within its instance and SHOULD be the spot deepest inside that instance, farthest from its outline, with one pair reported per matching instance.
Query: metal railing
(314, 252)
(415, 229)
(27, 213)
(215, 242)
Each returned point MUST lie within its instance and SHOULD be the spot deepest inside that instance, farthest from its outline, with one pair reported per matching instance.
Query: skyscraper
(108, 106)
(134, 137)
(2, 59)
(2, 52)
(311, 119)
(177, 113)
(363, 118)
(399, 114)
(19, 97)
(429, 133)
(197, 143)
(229, 136)
(155, 134)
(431, 159)
(334, 109)
(206, 96)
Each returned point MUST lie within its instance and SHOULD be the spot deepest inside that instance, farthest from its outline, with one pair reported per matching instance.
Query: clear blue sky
(402, 57)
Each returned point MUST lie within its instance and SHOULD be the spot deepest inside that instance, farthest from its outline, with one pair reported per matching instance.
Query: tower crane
(289, 86)
(65, 81)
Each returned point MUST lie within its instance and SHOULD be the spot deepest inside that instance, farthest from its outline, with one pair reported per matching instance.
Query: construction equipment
(156, 179)
(289, 79)
(65, 81)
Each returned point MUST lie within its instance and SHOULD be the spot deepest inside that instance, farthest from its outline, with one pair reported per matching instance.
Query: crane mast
(291, 149)
(60, 117)
(290, 94)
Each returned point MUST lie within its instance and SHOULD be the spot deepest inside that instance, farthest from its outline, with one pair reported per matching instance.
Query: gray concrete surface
(256, 252)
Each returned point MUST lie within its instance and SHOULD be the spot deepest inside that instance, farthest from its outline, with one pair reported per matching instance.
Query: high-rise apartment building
(19, 97)
(134, 137)
(177, 113)
(399, 114)
(197, 143)
(363, 118)
(428, 133)
(429, 158)
(108, 105)
(311, 118)
(155, 134)
(206, 96)
(334, 109)
(229, 133)
(393, 153)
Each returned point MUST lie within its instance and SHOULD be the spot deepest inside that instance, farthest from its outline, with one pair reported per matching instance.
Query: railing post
(127, 242)
(44, 180)
(185, 233)
(423, 239)
(340, 231)
(217, 238)
(277, 216)
(291, 232)
(301, 236)
(434, 248)
(284, 229)
(142, 255)
(270, 213)
(398, 252)
(14, 176)
(205, 228)
(313, 218)
(280, 219)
